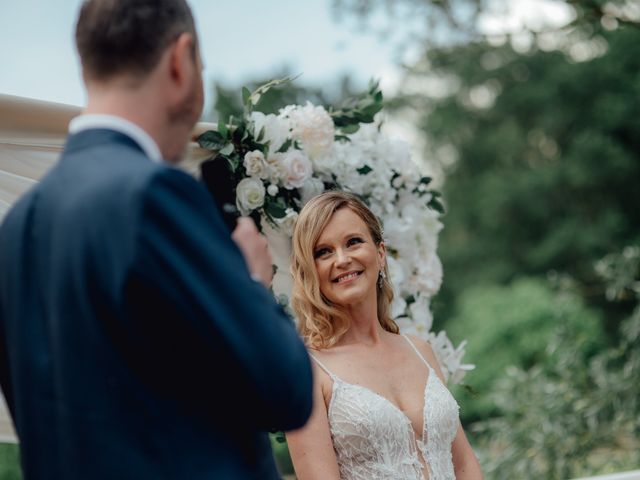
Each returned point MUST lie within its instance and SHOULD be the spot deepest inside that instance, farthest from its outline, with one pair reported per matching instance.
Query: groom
(135, 340)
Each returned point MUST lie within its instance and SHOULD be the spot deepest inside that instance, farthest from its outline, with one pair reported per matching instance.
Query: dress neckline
(395, 407)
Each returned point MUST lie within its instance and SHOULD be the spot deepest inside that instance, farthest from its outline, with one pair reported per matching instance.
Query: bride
(381, 409)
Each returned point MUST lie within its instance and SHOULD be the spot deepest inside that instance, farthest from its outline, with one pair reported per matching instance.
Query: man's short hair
(128, 36)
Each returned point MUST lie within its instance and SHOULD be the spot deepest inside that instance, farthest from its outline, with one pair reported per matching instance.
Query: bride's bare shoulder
(426, 349)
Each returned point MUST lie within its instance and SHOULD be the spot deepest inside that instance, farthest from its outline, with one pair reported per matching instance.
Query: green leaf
(435, 204)
(246, 95)
(364, 170)
(211, 140)
(252, 98)
(227, 149)
(275, 209)
(222, 129)
(285, 146)
(349, 129)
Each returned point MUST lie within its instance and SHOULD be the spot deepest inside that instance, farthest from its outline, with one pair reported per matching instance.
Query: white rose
(255, 164)
(312, 126)
(272, 190)
(249, 195)
(277, 168)
(298, 169)
(275, 130)
(287, 222)
(311, 188)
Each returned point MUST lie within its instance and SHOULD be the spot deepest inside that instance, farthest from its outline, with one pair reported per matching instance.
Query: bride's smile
(347, 277)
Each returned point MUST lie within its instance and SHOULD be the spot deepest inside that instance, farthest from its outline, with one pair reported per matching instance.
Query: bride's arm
(311, 447)
(465, 462)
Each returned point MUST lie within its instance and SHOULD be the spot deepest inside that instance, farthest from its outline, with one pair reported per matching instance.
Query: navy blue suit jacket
(133, 342)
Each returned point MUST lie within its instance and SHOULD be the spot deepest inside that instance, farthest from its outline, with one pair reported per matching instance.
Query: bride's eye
(353, 241)
(320, 252)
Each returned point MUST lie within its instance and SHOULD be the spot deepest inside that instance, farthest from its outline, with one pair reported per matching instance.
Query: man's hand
(255, 250)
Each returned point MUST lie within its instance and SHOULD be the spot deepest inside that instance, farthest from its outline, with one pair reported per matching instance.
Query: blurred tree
(512, 325)
(9, 462)
(410, 21)
(542, 160)
(576, 415)
(448, 22)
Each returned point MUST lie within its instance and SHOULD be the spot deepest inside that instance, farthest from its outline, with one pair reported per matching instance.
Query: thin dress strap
(321, 365)
(417, 351)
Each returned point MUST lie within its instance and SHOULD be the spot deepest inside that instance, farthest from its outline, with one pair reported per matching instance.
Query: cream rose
(312, 126)
(298, 169)
(277, 168)
(255, 164)
(249, 195)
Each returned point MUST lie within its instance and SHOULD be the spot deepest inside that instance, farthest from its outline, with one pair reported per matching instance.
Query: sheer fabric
(374, 440)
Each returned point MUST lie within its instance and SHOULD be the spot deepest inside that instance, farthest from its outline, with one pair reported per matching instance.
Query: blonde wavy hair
(320, 322)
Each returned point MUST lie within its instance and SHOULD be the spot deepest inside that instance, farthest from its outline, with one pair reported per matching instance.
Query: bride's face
(348, 260)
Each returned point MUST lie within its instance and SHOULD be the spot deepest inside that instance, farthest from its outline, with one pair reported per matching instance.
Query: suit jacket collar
(99, 136)
(118, 124)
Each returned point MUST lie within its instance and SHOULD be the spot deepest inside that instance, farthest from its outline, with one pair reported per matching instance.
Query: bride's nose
(342, 257)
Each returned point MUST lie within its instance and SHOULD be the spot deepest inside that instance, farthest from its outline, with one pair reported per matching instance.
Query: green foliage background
(512, 325)
(9, 462)
(546, 179)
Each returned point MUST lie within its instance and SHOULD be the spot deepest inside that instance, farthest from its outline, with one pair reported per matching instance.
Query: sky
(241, 39)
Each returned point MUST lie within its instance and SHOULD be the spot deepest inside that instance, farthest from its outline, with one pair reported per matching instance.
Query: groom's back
(128, 348)
(84, 398)
(62, 248)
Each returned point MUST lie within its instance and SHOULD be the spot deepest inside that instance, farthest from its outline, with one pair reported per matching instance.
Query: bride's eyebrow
(344, 237)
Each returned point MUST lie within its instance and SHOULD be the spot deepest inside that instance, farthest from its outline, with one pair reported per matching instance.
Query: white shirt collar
(118, 124)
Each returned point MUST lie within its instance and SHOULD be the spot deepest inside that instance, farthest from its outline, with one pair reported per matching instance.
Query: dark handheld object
(219, 180)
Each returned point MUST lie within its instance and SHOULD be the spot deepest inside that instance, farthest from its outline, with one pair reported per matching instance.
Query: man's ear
(182, 64)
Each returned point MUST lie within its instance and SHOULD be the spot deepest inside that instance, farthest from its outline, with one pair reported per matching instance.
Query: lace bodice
(374, 440)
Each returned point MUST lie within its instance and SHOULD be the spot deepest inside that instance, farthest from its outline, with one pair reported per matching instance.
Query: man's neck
(140, 108)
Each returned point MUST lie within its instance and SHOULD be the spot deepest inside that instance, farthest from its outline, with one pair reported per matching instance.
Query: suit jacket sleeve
(226, 343)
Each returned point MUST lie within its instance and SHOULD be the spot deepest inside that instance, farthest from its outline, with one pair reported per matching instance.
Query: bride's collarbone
(396, 377)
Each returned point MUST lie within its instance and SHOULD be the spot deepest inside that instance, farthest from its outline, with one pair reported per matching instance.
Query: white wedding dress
(374, 439)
